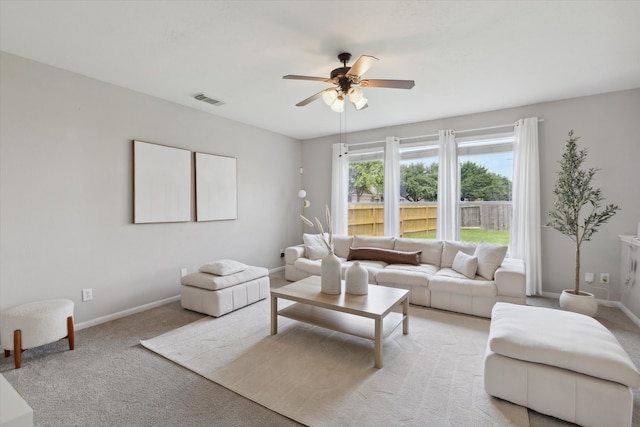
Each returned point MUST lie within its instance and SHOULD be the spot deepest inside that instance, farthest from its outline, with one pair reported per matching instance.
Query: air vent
(206, 99)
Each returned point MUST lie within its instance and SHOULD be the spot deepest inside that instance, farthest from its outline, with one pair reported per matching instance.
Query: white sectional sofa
(457, 276)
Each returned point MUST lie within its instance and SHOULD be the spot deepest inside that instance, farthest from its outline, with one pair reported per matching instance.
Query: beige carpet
(433, 376)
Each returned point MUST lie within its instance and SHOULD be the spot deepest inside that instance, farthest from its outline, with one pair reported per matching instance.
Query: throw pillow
(314, 246)
(389, 256)
(490, 257)
(465, 264)
(223, 267)
(317, 252)
(451, 248)
(341, 245)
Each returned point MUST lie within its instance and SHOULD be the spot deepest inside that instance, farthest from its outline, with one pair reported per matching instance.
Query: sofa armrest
(510, 279)
(292, 253)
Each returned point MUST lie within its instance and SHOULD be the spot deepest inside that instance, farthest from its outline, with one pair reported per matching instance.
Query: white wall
(66, 187)
(66, 192)
(608, 126)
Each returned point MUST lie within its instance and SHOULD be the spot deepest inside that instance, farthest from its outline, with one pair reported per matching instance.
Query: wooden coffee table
(367, 316)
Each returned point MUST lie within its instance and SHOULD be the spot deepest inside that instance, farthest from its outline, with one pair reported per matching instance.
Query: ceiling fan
(347, 79)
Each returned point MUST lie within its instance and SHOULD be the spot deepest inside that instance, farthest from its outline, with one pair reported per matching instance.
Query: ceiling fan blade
(395, 84)
(309, 99)
(361, 65)
(317, 79)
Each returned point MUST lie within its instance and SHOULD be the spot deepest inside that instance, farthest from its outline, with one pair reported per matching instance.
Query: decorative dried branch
(306, 221)
(328, 215)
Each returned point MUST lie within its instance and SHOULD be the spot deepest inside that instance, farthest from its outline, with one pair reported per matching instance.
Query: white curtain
(392, 187)
(525, 221)
(340, 189)
(448, 223)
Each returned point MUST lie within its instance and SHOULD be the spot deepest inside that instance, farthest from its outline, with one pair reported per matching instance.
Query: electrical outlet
(87, 294)
(281, 253)
(604, 277)
(183, 272)
(588, 277)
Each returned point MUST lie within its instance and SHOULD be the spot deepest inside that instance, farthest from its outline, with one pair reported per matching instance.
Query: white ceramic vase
(330, 278)
(356, 280)
(583, 303)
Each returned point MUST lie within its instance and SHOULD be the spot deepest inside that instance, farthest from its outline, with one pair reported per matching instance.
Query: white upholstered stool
(34, 324)
(559, 363)
(216, 295)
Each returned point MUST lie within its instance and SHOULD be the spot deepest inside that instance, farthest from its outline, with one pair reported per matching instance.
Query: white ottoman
(34, 324)
(559, 363)
(217, 295)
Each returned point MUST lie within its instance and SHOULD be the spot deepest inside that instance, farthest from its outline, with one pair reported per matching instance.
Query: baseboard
(550, 295)
(605, 303)
(124, 313)
(630, 315)
(275, 270)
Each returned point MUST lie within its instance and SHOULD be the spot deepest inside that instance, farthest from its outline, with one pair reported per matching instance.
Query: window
(486, 170)
(418, 190)
(366, 190)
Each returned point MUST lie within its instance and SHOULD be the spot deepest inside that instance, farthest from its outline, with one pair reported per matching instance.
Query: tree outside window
(366, 178)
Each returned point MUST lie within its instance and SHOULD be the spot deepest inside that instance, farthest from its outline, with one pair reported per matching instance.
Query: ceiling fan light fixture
(338, 105)
(355, 94)
(361, 103)
(330, 95)
(348, 82)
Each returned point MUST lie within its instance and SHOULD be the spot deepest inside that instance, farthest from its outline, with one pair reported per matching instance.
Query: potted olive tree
(577, 213)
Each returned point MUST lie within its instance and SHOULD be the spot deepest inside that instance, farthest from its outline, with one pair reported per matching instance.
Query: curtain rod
(435, 134)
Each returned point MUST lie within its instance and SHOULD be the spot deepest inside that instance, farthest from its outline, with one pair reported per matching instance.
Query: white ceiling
(465, 56)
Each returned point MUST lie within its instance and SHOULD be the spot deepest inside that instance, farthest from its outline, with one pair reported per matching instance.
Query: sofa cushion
(449, 280)
(341, 245)
(426, 269)
(373, 242)
(389, 256)
(309, 266)
(315, 248)
(489, 258)
(450, 250)
(370, 265)
(431, 249)
(465, 264)
(406, 275)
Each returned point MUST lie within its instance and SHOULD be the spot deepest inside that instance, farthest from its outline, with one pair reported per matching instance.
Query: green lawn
(474, 235)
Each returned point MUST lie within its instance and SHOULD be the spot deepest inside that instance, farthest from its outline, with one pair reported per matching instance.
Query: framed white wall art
(216, 187)
(161, 183)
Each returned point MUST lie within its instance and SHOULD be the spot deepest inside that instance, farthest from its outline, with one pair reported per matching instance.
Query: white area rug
(433, 376)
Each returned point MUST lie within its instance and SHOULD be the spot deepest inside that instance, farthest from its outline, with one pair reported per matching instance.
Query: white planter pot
(584, 303)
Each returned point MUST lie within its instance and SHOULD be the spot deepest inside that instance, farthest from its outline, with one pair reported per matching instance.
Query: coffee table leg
(405, 314)
(378, 343)
(274, 315)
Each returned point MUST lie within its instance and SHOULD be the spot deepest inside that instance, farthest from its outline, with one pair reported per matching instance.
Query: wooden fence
(418, 219)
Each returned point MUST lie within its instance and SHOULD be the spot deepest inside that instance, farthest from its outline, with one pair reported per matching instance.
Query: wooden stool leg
(71, 336)
(17, 348)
